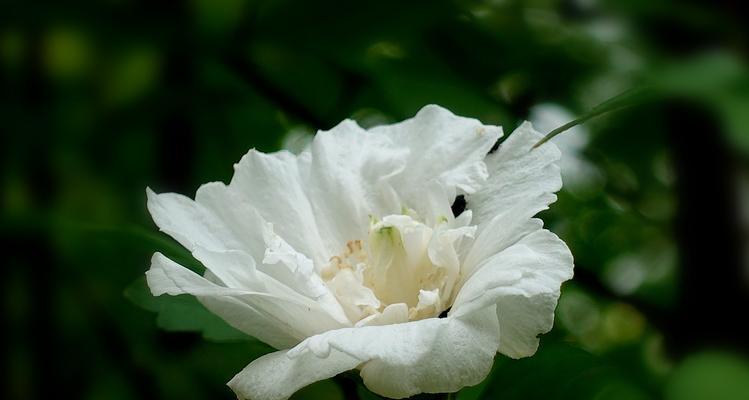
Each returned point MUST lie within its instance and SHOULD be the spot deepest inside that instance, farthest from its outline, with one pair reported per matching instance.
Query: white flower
(345, 256)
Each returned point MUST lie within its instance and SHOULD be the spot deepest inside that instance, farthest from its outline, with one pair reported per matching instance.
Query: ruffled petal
(216, 221)
(321, 199)
(275, 319)
(190, 223)
(518, 175)
(297, 270)
(444, 148)
(347, 171)
(521, 319)
(273, 185)
(432, 355)
(524, 282)
(502, 231)
(221, 226)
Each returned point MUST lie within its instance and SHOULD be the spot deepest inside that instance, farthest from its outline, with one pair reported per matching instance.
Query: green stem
(628, 98)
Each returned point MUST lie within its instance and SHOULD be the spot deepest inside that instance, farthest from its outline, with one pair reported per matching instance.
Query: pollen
(393, 266)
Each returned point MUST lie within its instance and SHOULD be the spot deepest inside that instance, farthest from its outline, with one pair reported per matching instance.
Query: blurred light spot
(622, 323)
(578, 312)
(66, 53)
(510, 87)
(653, 264)
(606, 30)
(625, 274)
(386, 49)
(663, 169)
(133, 73)
(654, 355)
(659, 206)
(710, 376)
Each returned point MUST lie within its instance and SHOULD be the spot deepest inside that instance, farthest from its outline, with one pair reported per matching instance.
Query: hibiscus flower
(408, 252)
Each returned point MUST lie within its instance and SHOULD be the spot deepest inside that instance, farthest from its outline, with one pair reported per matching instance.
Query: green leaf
(182, 313)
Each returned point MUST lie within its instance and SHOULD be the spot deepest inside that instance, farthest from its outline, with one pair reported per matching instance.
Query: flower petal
(274, 319)
(442, 147)
(502, 231)
(296, 269)
(433, 355)
(217, 220)
(518, 174)
(273, 186)
(189, 222)
(221, 221)
(521, 319)
(523, 281)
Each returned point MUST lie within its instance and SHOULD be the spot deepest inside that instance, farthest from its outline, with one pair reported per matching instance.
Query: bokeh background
(100, 99)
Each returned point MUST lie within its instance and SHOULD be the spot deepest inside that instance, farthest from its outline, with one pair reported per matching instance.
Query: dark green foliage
(99, 100)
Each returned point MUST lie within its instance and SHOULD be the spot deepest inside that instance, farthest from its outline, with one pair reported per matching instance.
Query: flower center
(405, 270)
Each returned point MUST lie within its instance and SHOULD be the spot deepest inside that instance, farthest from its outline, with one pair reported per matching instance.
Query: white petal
(392, 314)
(346, 171)
(356, 299)
(442, 147)
(274, 319)
(238, 216)
(190, 223)
(429, 304)
(216, 221)
(517, 175)
(432, 355)
(524, 282)
(235, 269)
(521, 319)
(502, 231)
(273, 185)
(221, 220)
(298, 272)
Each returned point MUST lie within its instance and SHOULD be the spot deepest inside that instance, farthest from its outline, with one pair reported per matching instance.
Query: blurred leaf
(473, 392)
(565, 371)
(710, 376)
(699, 76)
(218, 16)
(326, 389)
(718, 81)
(182, 313)
(157, 241)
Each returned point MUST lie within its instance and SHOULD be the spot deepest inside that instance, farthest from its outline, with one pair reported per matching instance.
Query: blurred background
(100, 99)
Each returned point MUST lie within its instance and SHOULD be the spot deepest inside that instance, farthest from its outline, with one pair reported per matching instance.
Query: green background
(100, 99)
